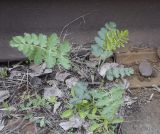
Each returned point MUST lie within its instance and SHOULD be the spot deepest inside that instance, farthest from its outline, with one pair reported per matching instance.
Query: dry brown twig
(71, 22)
(21, 81)
(151, 96)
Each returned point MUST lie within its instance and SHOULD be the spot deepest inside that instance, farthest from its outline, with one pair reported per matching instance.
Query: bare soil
(143, 117)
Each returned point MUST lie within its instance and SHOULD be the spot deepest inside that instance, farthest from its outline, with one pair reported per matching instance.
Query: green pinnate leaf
(115, 73)
(83, 114)
(41, 48)
(50, 59)
(67, 113)
(109, 38)
(94, 111)
(110, 25)
(37, 56)
(93, 127)
(103, 30)
(117, 120)
(99, 41)
(65, 48)
(18, 39)
(28, 38)
(96, 50)
(35, 39)
(42, 40)
(118, 72)
(65, 62)
(80, 89)
(101, 35)
(53, 40)
(42, 122)
(99, 52)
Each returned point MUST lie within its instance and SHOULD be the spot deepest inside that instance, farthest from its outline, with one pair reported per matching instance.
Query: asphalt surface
(142, 18)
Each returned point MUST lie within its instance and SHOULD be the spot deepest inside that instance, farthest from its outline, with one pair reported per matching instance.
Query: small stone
(145, 69)
(158, 52)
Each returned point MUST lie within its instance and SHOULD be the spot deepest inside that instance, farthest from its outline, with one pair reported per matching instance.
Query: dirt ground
(143, 116)
(140, 17)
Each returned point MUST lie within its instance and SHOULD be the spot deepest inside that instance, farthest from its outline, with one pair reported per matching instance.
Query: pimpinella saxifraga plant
(109, 38)
(98, 107)
(41, 48)
(118, 72)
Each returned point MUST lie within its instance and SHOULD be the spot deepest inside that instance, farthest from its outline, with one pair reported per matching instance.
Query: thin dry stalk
(68, 24)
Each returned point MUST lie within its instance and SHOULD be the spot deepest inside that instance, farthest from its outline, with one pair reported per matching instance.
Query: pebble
(145, 69)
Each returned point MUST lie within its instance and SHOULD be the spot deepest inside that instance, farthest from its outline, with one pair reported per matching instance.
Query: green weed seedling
(98, 107)
(38, 102)
(41, 121)
(118, 72)
(41, 48)
(107, 104)
(108, 40)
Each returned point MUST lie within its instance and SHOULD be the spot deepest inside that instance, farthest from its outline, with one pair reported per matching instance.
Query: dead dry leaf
(11, 108)
(53, 91)
(74, 122)
(129, 101)
(56, 106)
(39, 70)
(105, 67)
(126, 84)
(1, 122)
(1, 125)
(71, 82)
(91, 64)
(4, 94)
(61, 76)
(90, 133)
